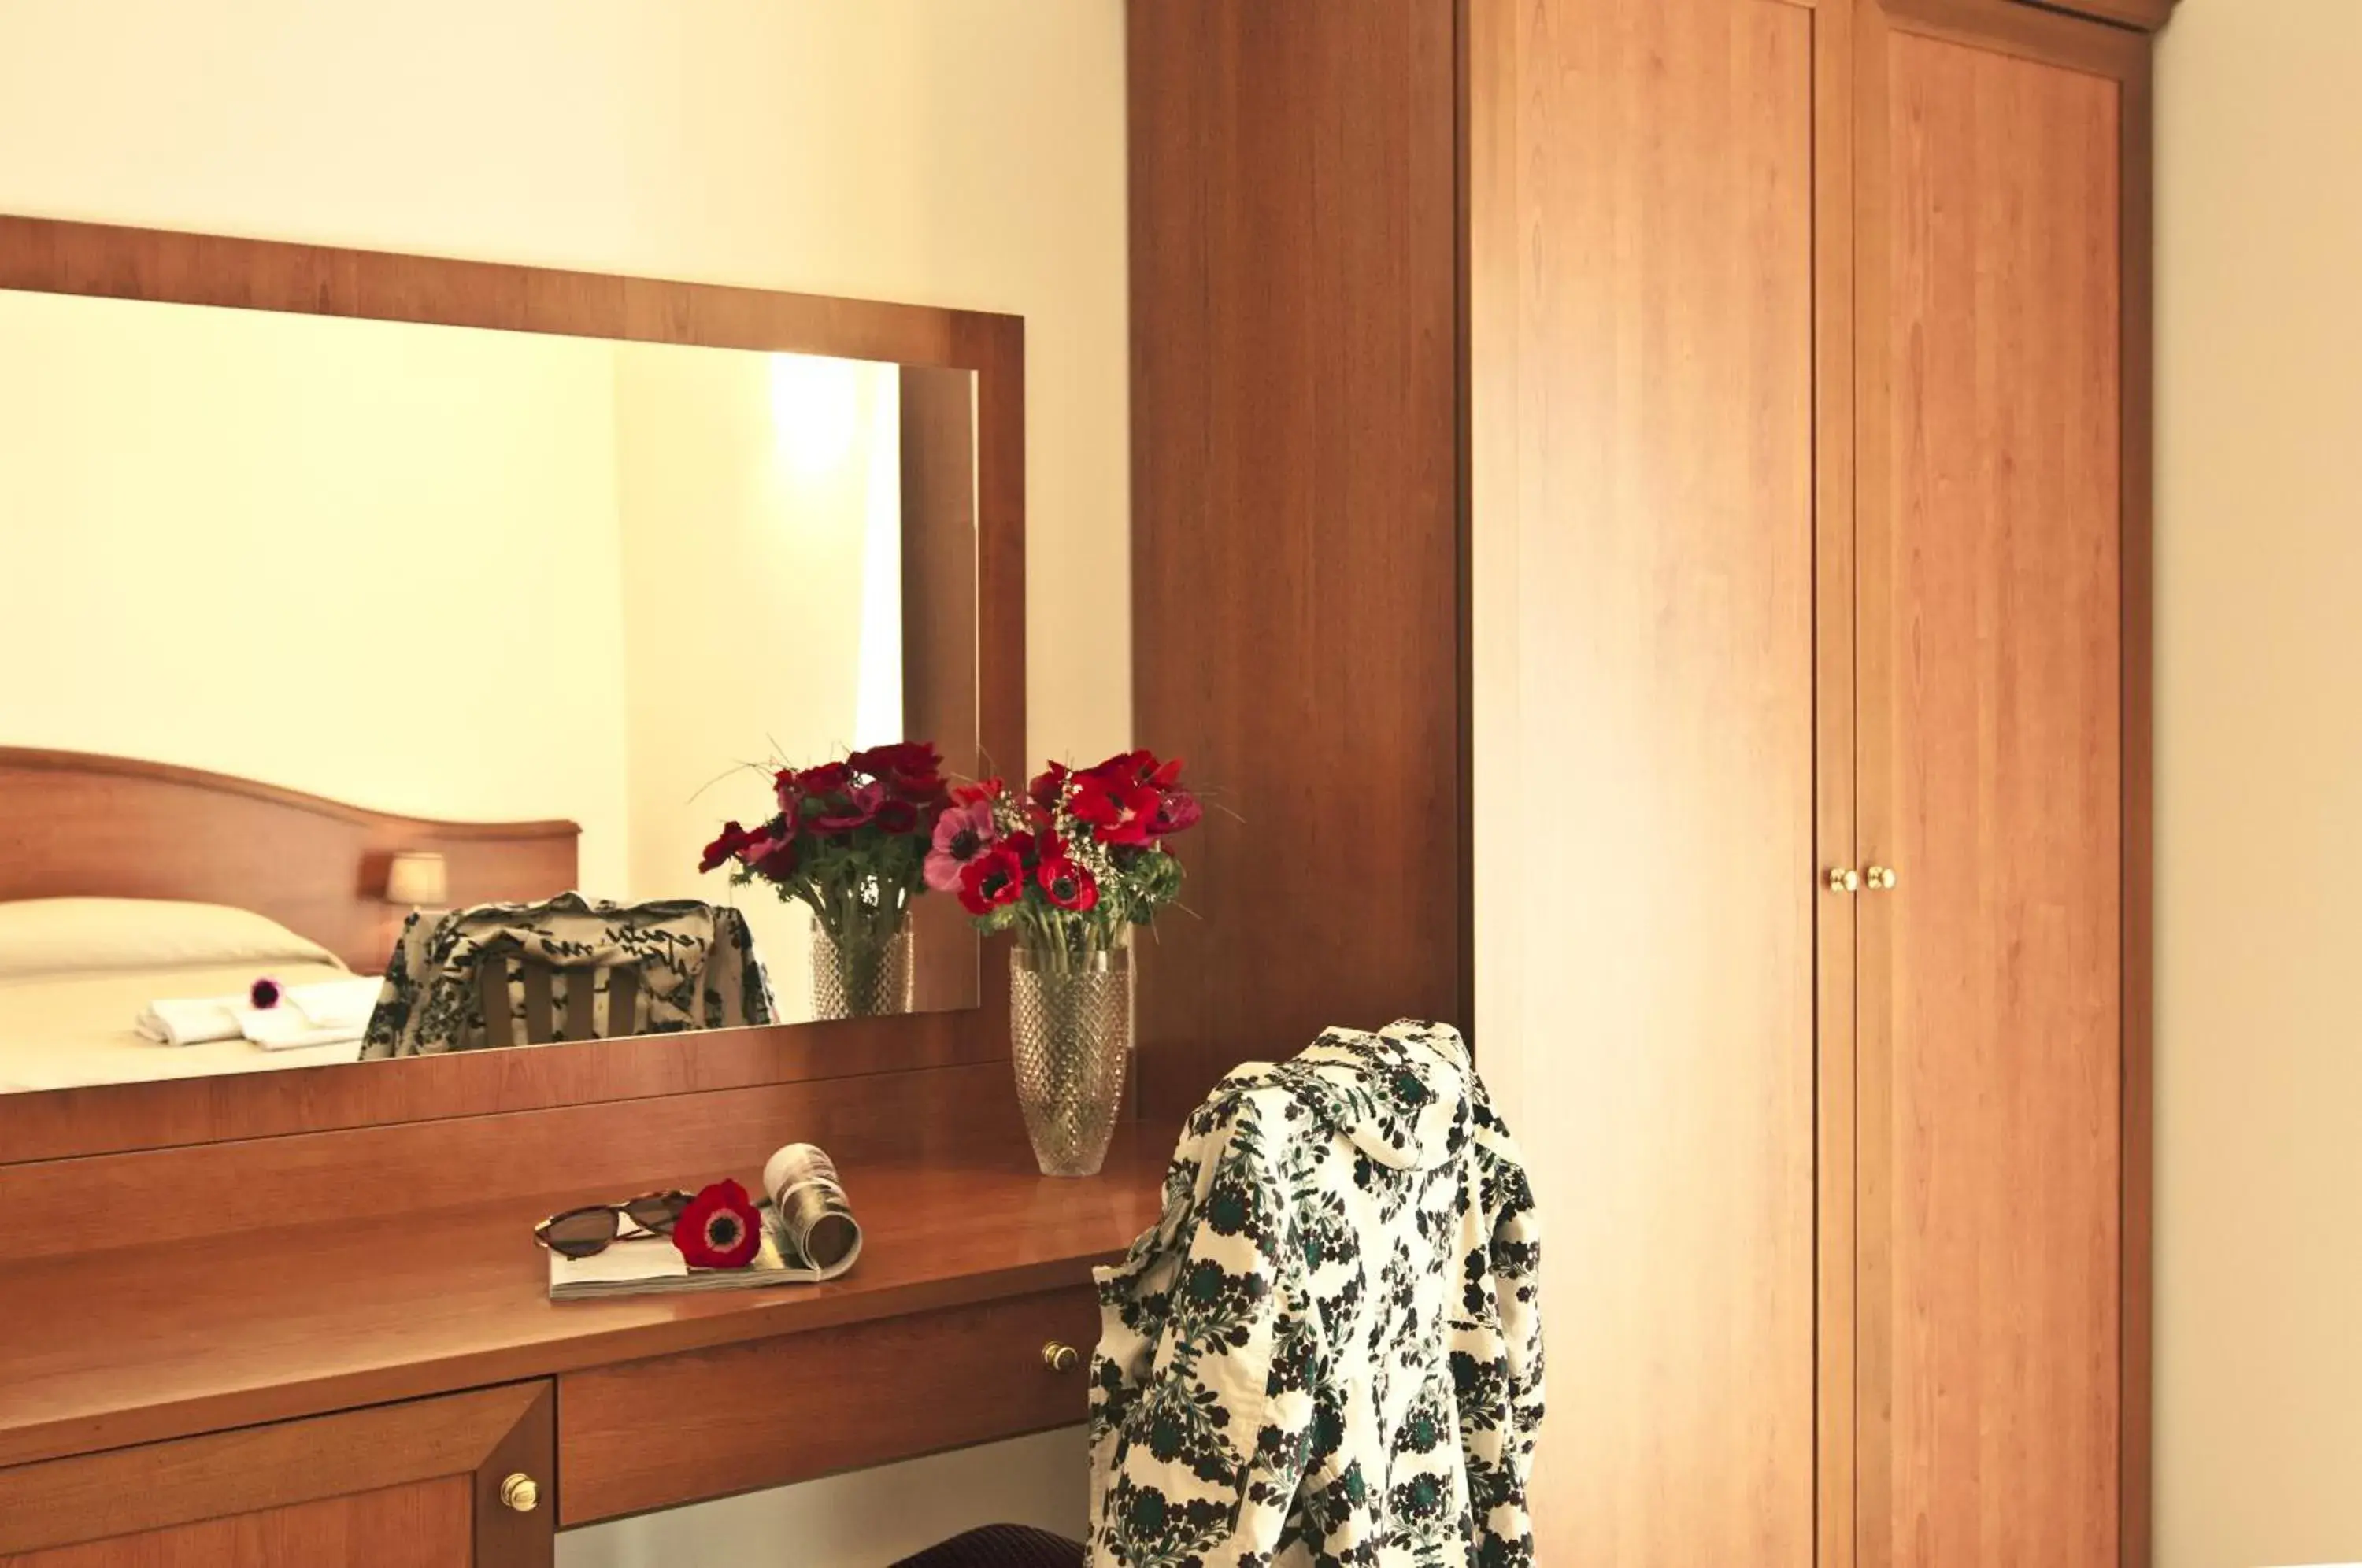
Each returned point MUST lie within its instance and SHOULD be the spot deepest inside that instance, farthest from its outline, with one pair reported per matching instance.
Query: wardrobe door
(1993, 1169)
(1642, 277)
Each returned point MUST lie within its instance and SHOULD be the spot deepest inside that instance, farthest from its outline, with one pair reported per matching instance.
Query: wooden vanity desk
(297, 1317)
(362, 1389)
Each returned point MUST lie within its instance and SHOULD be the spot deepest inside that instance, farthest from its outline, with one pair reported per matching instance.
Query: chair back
(581, 985)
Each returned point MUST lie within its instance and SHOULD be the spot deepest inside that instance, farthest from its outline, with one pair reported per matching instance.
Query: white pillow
(61, 936)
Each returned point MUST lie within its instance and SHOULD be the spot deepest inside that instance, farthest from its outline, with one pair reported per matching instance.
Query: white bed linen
(73, 1031)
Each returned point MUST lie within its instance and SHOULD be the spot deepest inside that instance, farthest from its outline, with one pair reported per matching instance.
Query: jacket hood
(1399, 1096)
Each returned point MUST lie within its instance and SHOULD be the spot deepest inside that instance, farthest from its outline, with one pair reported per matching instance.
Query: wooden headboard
(74, 823)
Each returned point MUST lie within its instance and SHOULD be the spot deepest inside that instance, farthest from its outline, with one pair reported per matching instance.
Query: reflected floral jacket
(694, 963)
(1329, 1350)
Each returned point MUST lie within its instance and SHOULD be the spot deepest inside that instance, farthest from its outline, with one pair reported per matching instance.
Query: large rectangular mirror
(410, 668)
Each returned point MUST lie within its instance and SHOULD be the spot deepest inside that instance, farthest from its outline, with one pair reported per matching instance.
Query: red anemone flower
(772, 852)
(1140, 766)
(898, 816)
(1117, 811)
(969, 794)
(992, 880)
(961, 834)
(1068, 883)
(828, 779)
(726, 847)
(1177, 809)
(862, 803)
(911, 769)
(1048, 787)
(719, 1229)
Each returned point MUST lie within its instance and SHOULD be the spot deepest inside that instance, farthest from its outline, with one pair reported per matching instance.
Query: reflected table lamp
(415, 880)
(418, 880)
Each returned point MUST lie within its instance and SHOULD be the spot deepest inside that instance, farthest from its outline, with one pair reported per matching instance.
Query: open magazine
(808, 1233)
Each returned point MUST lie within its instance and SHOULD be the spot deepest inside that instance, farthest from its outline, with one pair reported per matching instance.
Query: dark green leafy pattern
(695, 963)
(1328, 1353)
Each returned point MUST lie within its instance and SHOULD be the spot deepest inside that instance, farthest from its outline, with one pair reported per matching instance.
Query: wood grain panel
(1837, 831)
(1991, 1009)
(194, 268)
(122, 1118)
(1296, 543)
(2145, 15)
(422, 1525)
(450, 1164)
(938, 639)
(56, 256)
(181, 1335)
(2136, 1093)
(152, 1503)
(77, 824)
(1644, 274)
(656, 1433)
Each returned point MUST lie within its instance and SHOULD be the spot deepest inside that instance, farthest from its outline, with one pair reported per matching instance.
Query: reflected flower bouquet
(1073, 862)
(849, 840)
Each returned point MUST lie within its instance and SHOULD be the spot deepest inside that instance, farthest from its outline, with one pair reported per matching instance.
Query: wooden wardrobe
(1778, 658)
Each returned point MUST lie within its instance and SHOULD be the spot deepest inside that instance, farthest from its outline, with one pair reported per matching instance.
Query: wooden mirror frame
(50, 257)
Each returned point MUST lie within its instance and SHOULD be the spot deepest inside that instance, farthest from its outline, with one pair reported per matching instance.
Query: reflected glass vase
(867, 979)
(1070, 1041)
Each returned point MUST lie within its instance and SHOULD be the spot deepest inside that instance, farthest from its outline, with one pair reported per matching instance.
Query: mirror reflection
(331, 633)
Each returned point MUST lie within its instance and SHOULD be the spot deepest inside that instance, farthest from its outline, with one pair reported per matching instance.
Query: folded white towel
(330, 1004)
(190, 1021)
(285, 1029)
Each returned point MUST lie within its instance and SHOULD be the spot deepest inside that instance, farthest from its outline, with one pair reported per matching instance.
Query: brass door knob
(519, 1493)
(1061, 1358)
(1879, 878)
(1844, 879)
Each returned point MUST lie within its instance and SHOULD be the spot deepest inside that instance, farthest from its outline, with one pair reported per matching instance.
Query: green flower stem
(1063, 940)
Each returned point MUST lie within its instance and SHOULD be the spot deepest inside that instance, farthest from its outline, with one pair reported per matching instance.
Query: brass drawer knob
(519, 1493)
(1879, 878)
(1061, 1358)
(1843, 879)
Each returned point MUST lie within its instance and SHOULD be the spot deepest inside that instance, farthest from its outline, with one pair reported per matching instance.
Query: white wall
(965, 152)
(2259, 785)
(253, 543)
(755, 492)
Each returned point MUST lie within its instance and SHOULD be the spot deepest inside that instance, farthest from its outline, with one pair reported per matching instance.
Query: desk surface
(101, 1350)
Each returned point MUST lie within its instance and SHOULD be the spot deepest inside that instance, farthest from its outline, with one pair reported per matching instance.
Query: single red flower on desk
(718, 1229)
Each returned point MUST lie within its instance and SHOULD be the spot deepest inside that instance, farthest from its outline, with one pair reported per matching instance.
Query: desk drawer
(650, 1434)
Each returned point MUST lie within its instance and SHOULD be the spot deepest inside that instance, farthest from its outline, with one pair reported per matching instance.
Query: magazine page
(807, 1229)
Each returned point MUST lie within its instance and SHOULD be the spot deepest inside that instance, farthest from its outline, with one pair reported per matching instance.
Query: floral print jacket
(695, 965)
(1329, 1350)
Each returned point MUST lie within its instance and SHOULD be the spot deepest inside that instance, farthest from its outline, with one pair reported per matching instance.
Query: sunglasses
(592, 1229)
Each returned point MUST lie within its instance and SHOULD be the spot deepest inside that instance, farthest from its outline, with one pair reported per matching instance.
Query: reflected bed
(73, 1031)
(82, 826)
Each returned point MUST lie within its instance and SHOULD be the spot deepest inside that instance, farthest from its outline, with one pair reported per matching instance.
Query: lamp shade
(416, 877)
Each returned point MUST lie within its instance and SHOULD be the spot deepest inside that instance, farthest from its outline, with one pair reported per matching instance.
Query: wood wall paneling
(939, 638)
(1836, 831)
(1644, 274)
(2145, 15)
(2135, 1132)
(1993, 1012)
(1294, 518)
